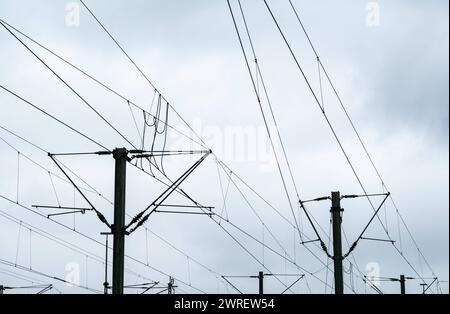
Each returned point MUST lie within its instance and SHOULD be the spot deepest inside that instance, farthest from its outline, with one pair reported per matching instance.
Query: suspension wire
(399, 233)
(189, 270)
(94, 191)
(371, 160)
(237, 187)
(86, 183)
(134, 259)
(355, 263)
(23, 139)
(74, 187)
(183, 253)
(23, 268)
(202, 208)
(98, 81)
(263, 240)
(275, 121)
(137, 67)
(21, 276)
(263, 114)
(51, 116)
(272, 113)
(248, 251)
(200, 264)
(31, 264)
(42, 167)
(68, 85)
(146, 245)
(258, 216)
(320, 83)
(385, 208)
(241, 230)
(224, 166)
(224, 194)
(100, 259)
(54, 189)
(98, 242)
(18, 242)
(135, 122)
(335, 135)
(73, 247)
(18, 176)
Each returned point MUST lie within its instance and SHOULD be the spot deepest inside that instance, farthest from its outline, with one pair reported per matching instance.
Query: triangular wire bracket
(140, 219)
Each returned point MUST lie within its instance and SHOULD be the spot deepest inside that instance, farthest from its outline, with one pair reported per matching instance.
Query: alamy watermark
(233, 143)
(373, 273)
(373, 13)
(73, 275)
(73, 14)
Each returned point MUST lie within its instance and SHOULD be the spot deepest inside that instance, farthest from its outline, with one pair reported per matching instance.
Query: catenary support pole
(261, 282)
(402, 284)
(336, 214)
(118, 228)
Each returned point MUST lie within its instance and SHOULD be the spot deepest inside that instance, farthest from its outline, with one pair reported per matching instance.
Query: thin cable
(51, 116)
(335, 134)
(99, 82)
(54, 189)
(269, 102)
(64, 243)
(8, 263)
(67, 84)
(18, 242)
(98, 242)
(237, 187)
(42, 167)
(23, 139)
(135, 122)
(139, 69)
(263, 114)
(18, 176)
(357, 132)
(72, 173)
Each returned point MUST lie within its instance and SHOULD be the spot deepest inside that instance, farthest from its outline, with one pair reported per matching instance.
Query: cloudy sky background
(392, 77)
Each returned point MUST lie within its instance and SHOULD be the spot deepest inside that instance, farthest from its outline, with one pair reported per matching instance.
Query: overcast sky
(387, 59)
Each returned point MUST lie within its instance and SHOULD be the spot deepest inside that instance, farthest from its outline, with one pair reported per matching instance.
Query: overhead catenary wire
(26, 157)
(134, 63)
(51, 116)
(131, 258)
(269, 102)
(1, 196)
(259, 74)
(40, 273)
(66, 124)
(140, 70)
(240, 191)
(101, 195)
(68, 85)
(21, 277)
(334, 132)
(294, 214)
(357, 133)
(102, 84)
(262, 111)
(60, 241)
